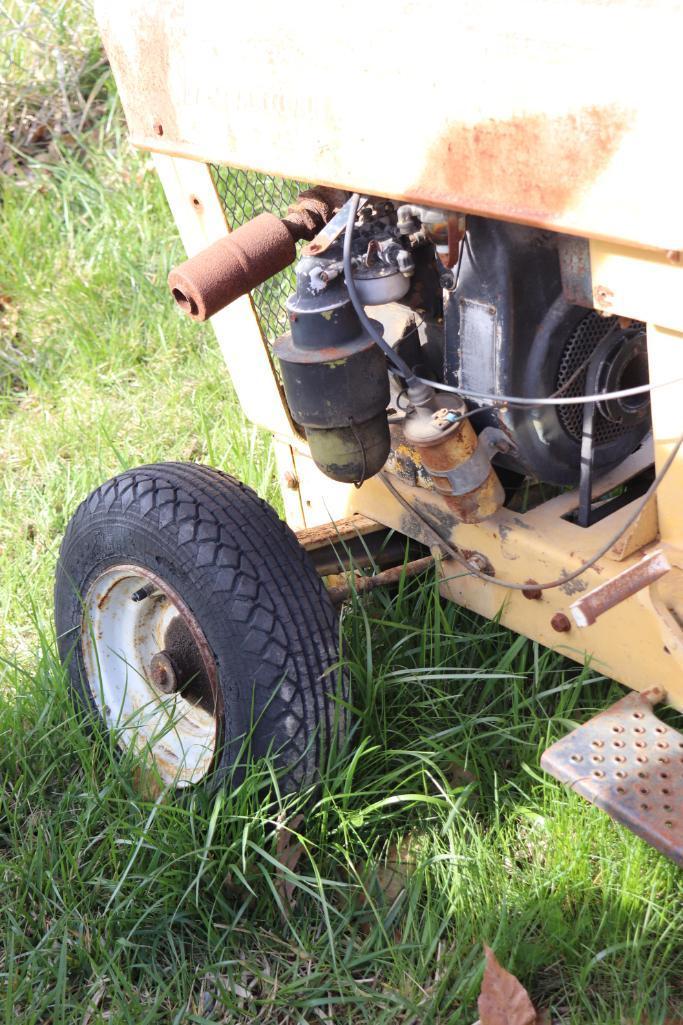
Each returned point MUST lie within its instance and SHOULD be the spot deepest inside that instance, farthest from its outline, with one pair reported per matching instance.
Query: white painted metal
(119, 638)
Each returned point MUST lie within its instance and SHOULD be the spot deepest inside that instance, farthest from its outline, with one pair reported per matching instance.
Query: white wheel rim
(119, 636)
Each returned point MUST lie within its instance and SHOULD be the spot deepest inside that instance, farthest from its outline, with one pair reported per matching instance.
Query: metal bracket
(332, 230)
(473, 472)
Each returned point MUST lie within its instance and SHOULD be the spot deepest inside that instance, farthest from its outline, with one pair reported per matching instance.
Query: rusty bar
(336, 531)
(589, 606)
(362, 585)
(377, 551)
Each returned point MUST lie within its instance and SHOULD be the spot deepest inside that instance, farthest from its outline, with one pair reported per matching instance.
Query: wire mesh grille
(579, 348)
(245, 194)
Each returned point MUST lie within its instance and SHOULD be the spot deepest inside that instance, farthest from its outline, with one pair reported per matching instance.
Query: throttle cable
(456, 555)
(401, 367)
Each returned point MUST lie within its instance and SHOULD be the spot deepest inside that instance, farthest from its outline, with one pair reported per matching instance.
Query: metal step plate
(627, 762)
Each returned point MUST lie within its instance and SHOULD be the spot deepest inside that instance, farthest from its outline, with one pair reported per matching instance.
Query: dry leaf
(393, 875)
(288, 851)
(503, 999)
(458, 776)
(94, 1002)
(387, 879)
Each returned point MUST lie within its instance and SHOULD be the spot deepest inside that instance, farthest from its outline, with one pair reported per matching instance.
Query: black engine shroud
(510, 331)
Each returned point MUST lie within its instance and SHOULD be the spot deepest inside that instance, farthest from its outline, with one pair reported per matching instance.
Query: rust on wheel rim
(151, 672)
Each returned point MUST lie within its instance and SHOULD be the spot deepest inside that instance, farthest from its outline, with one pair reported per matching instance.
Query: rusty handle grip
(231, 267)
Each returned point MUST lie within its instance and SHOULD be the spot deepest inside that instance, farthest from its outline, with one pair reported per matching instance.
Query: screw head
(290, 480)
(603, 295)
(479, 562)
(532, 592)
(158, 128)
(561, 623)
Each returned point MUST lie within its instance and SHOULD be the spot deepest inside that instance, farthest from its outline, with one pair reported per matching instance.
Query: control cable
(457, 556)
(569, 400)
(400, 366)
(411, 379)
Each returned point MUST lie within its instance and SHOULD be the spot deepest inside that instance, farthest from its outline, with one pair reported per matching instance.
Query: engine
(469, 324)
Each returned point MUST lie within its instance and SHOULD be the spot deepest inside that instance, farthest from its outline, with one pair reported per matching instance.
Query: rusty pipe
(232, 266)
(244, 259)
(386, 578)
(631, 580)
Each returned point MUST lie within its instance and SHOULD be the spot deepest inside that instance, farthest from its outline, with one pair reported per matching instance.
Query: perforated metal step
(629, 763)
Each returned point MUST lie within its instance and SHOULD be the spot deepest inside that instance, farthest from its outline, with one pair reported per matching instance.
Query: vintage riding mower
(441, 249)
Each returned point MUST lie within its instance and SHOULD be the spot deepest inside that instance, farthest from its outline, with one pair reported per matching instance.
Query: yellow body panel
(562, 115)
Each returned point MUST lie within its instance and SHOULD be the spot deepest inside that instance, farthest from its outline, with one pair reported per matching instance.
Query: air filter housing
(335, 379)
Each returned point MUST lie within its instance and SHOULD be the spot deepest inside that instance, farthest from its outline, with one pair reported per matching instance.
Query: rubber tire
(250, 585)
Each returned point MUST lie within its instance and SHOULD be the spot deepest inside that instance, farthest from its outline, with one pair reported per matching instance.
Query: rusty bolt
(158, 128)
(561, 623)
(673, 255)
(290, 480)
(604, 295)
(532, 592)
(479, 562)
(162, 673)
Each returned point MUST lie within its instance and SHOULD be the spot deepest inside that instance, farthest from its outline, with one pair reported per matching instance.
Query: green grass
(54, 80)
(433, 833)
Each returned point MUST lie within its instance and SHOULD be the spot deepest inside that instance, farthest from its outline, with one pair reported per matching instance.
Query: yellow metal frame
(639, 642)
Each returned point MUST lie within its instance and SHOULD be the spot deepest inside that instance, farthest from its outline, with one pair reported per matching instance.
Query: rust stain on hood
(529, 168)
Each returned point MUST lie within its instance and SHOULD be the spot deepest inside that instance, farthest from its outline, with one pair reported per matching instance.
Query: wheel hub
(163, 673)
(151, 672)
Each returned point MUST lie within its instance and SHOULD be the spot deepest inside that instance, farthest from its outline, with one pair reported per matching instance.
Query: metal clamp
(472, 473)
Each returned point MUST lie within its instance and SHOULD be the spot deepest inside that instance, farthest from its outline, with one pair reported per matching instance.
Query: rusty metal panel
(629, 763)
(559, 115)
(575, 267)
